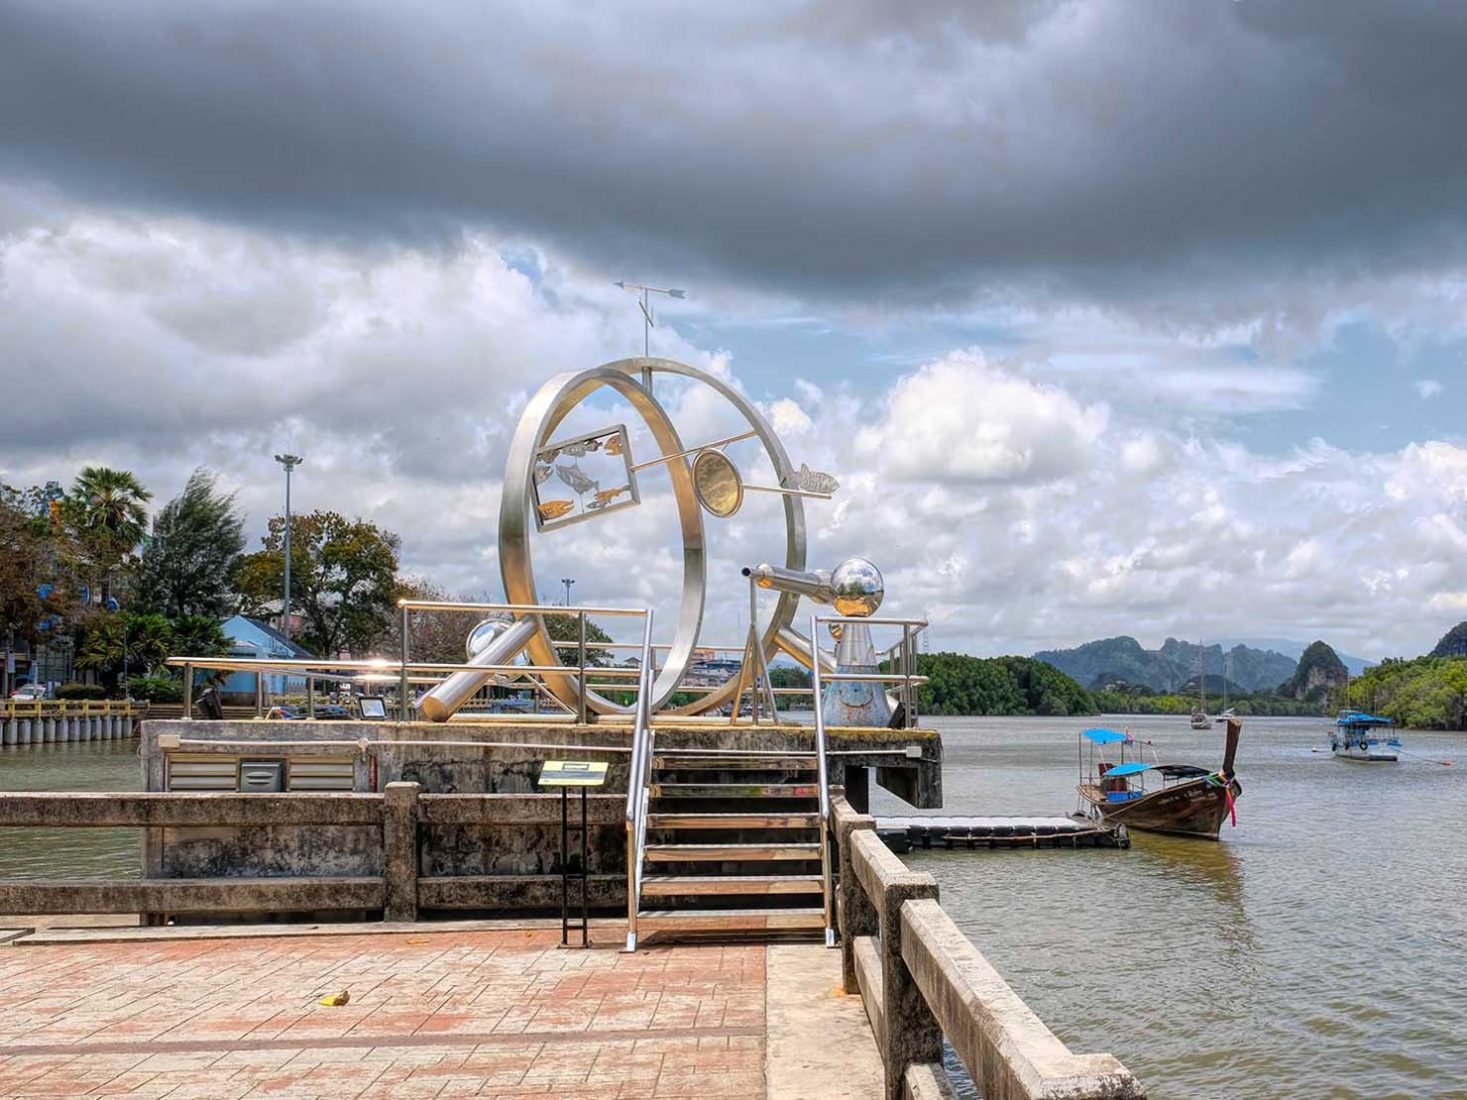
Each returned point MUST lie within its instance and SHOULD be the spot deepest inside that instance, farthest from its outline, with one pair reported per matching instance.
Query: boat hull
(1366, 756)
(1195, 808)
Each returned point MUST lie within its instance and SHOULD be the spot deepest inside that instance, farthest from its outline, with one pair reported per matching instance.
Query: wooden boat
(1356, 737)
(1190, 801)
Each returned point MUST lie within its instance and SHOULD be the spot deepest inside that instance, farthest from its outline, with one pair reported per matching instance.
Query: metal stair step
(696, 853)
(734, 790)
(706, 920)
(693, 820)
(683, 762)
(685, 885)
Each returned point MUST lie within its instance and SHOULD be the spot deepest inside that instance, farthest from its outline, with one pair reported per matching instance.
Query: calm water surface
(82, 766)
(1317, 951)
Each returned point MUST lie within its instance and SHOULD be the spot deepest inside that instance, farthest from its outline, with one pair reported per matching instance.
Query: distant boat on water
(1191, 800)
(1364, 737)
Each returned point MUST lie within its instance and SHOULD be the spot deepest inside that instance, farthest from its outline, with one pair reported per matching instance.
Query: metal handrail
(822, 777)
(638, 777)
(908, 679)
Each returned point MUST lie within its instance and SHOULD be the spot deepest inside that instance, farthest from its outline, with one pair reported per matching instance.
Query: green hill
(1319, 675)
(1109, 661)
(960, 684)
(1453, 643)
(1425, 693)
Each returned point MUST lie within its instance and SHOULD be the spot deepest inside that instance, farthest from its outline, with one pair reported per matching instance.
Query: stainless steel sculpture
(547, 485)
(854, 588)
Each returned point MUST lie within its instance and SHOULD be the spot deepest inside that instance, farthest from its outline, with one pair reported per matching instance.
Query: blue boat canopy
(1104, 737)
(1128, 769)
(1360, 718)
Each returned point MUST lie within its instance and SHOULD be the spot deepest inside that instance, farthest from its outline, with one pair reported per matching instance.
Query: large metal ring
(780, 633)
(554, 401)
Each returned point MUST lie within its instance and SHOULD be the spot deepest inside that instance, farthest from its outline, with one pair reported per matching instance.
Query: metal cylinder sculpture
(853, 588)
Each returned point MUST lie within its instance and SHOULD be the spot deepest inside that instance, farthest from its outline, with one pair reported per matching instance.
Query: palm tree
(108, 505)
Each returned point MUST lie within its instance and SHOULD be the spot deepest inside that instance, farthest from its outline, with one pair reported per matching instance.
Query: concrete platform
(437, 1012)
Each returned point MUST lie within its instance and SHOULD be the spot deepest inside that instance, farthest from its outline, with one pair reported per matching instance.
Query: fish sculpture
(542, 473)
(814, 481)
(554, 509)
(613, 444)
(575, 477)
(606, 496)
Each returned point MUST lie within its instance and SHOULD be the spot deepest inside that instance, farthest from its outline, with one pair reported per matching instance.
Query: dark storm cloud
(831, 148)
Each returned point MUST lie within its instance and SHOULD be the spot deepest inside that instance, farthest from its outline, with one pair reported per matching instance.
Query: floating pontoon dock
(902, 834)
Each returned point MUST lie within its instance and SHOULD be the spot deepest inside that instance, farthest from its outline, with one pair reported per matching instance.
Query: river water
(1317, 951)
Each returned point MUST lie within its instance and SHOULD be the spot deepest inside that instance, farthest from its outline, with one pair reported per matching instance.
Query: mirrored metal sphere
(857, 587)
(486, 631)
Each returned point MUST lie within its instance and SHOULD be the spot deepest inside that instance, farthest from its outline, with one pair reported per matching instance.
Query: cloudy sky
(1112, 316)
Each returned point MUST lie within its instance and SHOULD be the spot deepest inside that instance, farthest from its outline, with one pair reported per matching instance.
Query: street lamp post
(649, 320)
(567, 581)
(290, 462)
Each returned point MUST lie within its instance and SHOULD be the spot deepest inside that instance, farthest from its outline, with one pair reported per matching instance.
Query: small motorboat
(1180, 799)
(1199, 720)
(1364, 737)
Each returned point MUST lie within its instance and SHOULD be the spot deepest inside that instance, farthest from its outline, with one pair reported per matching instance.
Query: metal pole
(824, 788)
(285, 617)
(581, 694)
(403, 676)
(188, 691)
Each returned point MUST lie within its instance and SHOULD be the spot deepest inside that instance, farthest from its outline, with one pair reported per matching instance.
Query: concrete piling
(23, 732)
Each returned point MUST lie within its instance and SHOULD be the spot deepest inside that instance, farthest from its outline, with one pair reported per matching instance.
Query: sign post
(565, 774)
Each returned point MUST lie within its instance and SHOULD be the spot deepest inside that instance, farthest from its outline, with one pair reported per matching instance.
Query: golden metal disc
(717, 484)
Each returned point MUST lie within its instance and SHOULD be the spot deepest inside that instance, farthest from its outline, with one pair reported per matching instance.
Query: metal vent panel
(203, 773)
(318, 774)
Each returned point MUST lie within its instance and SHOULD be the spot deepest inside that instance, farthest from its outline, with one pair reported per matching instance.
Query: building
(253, 638)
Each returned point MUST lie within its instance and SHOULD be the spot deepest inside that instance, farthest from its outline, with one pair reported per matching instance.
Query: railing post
(822, 778)
(856, 913)
(581, 659)
(913, 1034)
(259, 694)
(400, 851)
(188, 690)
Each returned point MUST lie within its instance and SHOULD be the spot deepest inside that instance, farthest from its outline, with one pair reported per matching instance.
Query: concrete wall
(470, 856)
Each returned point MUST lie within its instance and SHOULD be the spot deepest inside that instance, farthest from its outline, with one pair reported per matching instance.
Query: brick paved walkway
(501, 1013)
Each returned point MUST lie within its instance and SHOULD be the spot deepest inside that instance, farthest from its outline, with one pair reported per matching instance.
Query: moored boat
(1364, 737)
(1189, 800)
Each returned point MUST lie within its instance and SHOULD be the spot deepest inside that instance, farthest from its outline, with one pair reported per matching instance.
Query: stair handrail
(639, 774)
(822, 778)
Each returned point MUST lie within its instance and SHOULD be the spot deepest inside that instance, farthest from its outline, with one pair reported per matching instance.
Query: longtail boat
(1189, 800)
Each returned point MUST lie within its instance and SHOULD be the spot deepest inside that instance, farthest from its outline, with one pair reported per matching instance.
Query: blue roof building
(251, 638)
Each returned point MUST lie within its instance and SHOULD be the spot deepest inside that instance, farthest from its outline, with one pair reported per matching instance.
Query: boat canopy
(1135, 768)
(1104, 737)
(1360, 718)
(1181, 771)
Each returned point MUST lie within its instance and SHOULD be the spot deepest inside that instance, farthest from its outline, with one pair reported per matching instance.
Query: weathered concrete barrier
(394, 852)
(921, 979)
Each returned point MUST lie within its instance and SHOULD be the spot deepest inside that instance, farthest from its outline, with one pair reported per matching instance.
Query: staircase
(732, 844)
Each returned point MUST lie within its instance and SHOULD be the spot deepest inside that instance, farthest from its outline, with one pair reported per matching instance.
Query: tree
(106, 510)
(197, 539)
(24, 561)
(111, 642)
(343, 580)
(436, 636)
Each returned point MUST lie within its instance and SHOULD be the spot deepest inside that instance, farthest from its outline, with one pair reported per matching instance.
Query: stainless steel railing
(909, 680)
(639, 778)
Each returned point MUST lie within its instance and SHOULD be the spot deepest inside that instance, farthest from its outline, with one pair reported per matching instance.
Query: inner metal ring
(552, 404)
(780, 633)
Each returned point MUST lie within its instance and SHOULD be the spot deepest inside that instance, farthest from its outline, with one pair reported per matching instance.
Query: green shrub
(80, 691)
(156, 689)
